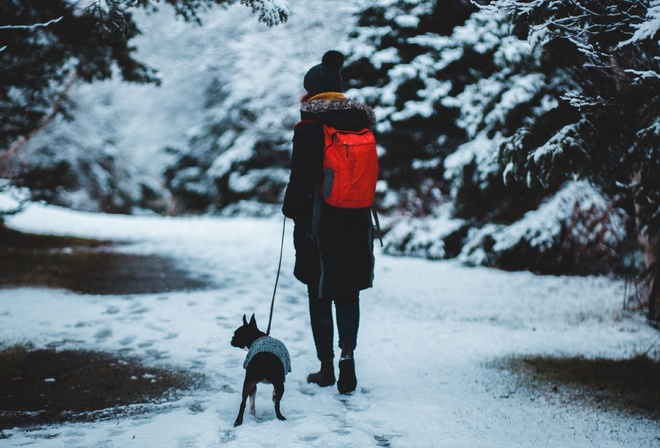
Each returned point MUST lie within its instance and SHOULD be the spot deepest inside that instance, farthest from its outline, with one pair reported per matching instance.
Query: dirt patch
(87, 266)
(45, 386)
(631, 386)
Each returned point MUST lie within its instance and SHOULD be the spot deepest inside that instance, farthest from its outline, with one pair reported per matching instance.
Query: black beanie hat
(325, 77)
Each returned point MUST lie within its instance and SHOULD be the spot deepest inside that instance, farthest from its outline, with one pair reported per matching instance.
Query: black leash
(277, 278)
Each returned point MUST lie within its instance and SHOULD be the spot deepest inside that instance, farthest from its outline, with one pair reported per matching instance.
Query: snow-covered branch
(271, 12)
(29, 27)
(644, 74)
(648, 28)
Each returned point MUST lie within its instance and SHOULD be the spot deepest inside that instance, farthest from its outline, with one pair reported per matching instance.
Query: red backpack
(350, 171)
(350, 168)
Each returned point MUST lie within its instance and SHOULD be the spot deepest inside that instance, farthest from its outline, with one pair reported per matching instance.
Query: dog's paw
(238, 422)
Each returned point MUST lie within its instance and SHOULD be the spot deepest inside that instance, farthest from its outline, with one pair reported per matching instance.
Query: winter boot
(325, 376)
(347, 379)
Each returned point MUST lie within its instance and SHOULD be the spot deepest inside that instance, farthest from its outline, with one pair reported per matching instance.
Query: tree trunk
(15, 147)
(650, 249)
(649, 244)
(653, 315)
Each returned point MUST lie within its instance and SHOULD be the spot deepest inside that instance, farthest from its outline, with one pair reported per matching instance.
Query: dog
(267, 361)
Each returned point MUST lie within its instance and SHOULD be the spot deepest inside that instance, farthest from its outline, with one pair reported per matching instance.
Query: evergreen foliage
(489, 114)
(612, 134)
(46, 43)
(502, 89)
(237, 159)
(47, 46)
(403, 62)
(607, 127)
(231, 159)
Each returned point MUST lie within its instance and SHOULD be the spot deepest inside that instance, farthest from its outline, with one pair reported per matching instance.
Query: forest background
(520, 135)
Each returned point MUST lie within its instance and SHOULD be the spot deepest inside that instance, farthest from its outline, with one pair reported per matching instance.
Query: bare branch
(57, 105)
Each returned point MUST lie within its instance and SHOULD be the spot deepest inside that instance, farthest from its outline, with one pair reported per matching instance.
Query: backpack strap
(379, 234)
(307, 121)
(317, 206)
(316, 219)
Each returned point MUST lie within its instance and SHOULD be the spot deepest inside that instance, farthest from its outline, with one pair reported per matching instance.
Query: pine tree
(607, 128)
(238, 158)
(46, 46)
(491, 84)
(403, 62)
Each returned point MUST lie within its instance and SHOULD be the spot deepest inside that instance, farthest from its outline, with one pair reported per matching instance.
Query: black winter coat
(344, 250)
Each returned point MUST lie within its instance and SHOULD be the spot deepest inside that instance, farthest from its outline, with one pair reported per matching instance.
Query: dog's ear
(253, 321)
(244, 320)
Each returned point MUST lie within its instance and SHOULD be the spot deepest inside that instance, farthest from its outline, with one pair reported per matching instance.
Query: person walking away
(334, 246)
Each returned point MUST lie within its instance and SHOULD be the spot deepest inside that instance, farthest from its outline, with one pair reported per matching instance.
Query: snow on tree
(270, 12)
(49, 46)
(609, 130)
(79, 164)
(39, 63)
(433, 70)
(577, 231)
(237, 159)
(403, 62)
(445, 110)
(12, 199)
(438, 236)
(397, 70)
(458, 90)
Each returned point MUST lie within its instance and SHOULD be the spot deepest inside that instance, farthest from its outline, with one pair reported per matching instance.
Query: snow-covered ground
(429, 334)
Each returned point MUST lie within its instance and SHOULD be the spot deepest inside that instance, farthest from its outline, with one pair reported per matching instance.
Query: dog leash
(277, 278)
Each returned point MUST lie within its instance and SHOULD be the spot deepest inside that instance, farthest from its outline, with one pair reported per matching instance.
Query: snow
(29, 27)
(543, 226)
(648, 28)
(424, 237)
(12, 197)
(407, 21)
(483, 31)
(482, 150)
(430, 332)
(644, 73)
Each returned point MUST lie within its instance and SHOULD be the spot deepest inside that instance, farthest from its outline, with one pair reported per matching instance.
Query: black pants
(347, 307)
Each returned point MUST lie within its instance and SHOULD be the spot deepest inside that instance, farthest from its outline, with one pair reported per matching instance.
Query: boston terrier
(267, 361)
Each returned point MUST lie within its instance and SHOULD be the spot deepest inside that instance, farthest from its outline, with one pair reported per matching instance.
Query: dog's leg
(248, 386)
(241, 410)
(253, 394)
(278, 392)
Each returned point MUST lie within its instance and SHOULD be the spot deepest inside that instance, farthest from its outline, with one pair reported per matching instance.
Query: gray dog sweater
(270, 345)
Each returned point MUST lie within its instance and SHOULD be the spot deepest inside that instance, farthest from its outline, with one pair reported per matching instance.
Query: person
(334, 246)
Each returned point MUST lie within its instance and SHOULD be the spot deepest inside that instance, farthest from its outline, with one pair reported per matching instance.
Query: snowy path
(429, 332)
